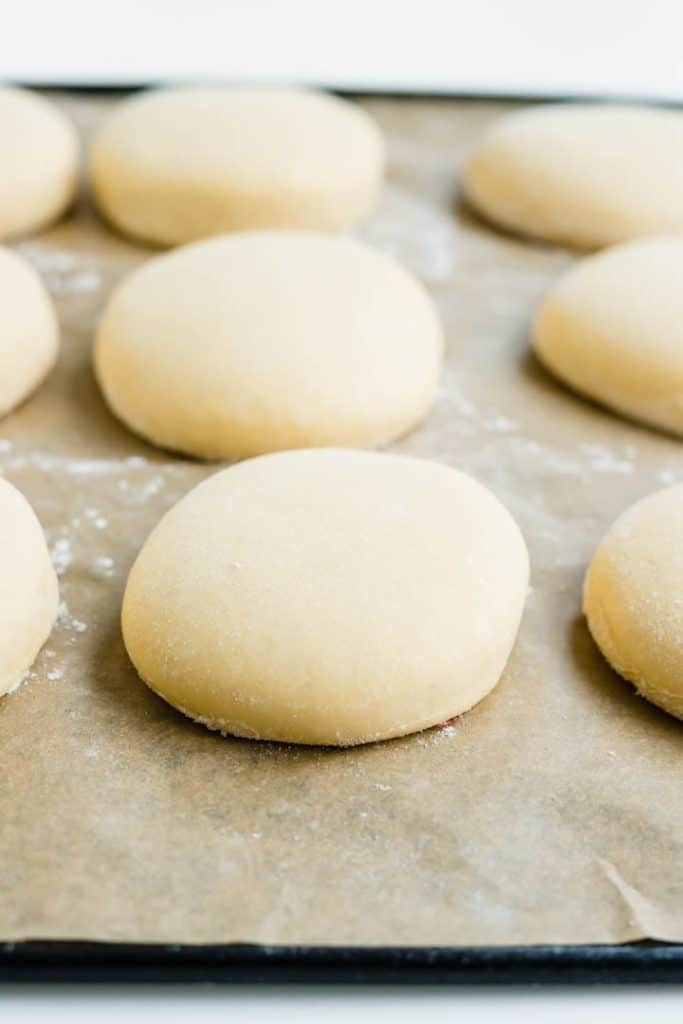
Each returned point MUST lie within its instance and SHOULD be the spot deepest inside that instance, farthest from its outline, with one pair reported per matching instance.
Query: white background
(319, 1006)
(382, 1006)
(523, 47)
(493, 46)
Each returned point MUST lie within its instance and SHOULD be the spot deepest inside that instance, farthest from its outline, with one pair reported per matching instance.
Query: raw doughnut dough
(28, 330)
(633, 597)
(38, 162)
(28, 587)
(582, 174)
(176, 165)
(264, 340)
(327, 597)
(612, 328)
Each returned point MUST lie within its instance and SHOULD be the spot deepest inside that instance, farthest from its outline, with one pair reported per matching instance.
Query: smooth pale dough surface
(176, 165)
(586, 175)
(327, 597)
(612, 328)
(38, 162)
(29, 334)
(28, 587)
(633, 597)
(267, 340)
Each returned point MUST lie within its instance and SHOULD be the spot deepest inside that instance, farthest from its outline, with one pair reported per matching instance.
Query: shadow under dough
(595, 672)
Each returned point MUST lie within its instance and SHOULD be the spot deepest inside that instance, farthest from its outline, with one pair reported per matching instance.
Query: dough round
(176, 165)
(28, 587)
(582, 174)
(632, 597)
(612, 328)
(327, 597)
(38, 162)
(29, 335)
(265, 340)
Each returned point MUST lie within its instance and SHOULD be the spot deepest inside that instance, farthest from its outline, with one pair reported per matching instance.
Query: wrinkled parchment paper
(551, 813)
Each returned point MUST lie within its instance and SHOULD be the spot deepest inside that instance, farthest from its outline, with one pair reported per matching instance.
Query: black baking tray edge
(88, 962)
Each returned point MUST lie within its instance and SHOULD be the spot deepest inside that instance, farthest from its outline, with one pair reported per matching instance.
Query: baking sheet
(548, 814)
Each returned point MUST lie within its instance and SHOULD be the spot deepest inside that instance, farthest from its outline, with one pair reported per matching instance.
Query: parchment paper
(551, 813)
